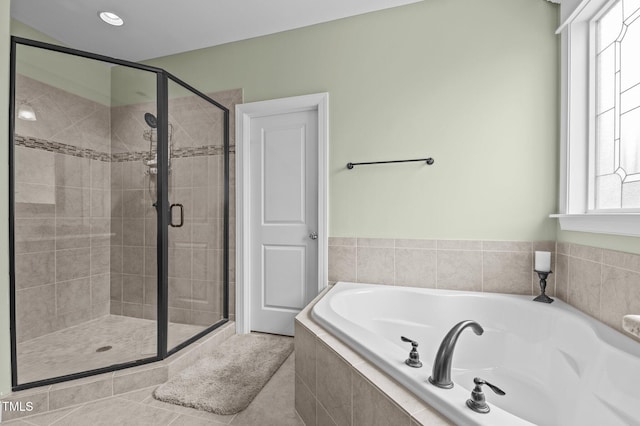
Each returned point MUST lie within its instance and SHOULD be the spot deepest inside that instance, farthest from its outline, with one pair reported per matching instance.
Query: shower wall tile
(132, 260)
(132, 288)
(100, 232)
(180, 315)
(115, 287)
(115, 259)
(150, 262)
(73, 233)
(100, 203)
(72, 202)
(73, 263)
(117, 203)
(180, 293)
(34, 210)
(100, 289)
(150, 293)
(34, 309)
(37, 167)
(34, 235)
(117, 176)
(132, 310)
(115, 308)
(100, 260)
(72, 171)
(133, 203)
(73, 295)
(133, 232)
(34, 269)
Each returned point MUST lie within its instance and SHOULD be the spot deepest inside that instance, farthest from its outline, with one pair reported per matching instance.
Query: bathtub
(556, 365)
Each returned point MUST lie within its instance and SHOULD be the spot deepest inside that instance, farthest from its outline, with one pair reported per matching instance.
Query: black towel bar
(429, 161)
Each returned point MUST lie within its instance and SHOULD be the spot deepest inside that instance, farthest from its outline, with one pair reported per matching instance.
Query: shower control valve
(414, 356)
(477, 402)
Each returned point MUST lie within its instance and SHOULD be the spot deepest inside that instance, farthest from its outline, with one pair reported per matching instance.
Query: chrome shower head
(151, 120)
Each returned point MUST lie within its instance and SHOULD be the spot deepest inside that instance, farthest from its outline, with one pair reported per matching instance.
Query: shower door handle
(181, 215)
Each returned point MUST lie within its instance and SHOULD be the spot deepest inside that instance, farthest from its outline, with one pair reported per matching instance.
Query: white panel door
(284, 224)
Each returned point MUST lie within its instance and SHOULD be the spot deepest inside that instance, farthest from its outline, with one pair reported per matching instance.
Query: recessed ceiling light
(111, 18)
(26, 112)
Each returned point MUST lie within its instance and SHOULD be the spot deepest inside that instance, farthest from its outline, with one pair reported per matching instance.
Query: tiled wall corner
(493, 266)
(604, 284)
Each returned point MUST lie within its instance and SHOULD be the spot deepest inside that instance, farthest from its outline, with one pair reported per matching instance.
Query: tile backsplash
(602, 283)
(495, 266)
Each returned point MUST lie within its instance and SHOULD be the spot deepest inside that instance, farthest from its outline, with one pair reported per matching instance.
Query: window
(616, 178)
(600, 125)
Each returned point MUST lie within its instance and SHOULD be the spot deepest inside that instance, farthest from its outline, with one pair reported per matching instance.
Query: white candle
(543, 261)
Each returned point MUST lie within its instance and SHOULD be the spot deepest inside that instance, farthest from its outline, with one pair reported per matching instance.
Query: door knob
(313, 235)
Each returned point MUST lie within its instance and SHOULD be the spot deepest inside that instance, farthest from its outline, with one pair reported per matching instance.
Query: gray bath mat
(226, 380)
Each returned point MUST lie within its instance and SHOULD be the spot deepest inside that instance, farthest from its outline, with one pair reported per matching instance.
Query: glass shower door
(197, 214)
(82, 215)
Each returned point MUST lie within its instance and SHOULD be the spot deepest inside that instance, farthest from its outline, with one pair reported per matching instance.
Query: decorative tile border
(60, 148)
(119, 157)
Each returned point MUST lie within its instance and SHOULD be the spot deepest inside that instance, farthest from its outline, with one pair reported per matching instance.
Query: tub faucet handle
(414, 356)
(477, 402)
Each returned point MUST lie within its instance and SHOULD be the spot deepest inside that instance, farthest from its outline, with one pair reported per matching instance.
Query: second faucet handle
(414, 356)
(477, 402)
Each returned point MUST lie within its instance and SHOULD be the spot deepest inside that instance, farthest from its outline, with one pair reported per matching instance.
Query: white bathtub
(556, 365)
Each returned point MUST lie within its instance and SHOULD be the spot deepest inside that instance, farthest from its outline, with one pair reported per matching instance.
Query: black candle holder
(543, 285)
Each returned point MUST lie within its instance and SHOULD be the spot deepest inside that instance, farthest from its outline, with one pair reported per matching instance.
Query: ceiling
(155, 28)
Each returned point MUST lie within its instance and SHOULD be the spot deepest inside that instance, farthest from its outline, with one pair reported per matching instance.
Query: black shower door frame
(163, 215)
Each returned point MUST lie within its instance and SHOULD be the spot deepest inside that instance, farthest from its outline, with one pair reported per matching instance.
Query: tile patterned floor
(73, 349)
(273, 406)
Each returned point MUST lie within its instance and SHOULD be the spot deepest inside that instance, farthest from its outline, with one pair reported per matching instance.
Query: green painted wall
(472, 83)
(5, 345)
(83, 77)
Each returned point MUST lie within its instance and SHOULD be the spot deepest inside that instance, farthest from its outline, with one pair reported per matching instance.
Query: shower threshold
(79, 391)
(105, 341)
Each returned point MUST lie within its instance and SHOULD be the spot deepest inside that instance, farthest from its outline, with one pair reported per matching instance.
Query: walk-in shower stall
(119, 214)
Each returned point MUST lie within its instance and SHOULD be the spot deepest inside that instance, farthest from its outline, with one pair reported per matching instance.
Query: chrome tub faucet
(441, 374)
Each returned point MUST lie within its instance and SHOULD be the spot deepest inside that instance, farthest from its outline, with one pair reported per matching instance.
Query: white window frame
(577, 129)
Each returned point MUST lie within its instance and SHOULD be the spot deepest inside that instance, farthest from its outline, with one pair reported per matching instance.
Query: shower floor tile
(75, 349)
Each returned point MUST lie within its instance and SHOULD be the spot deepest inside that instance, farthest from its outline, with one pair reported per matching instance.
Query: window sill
(627, 224)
